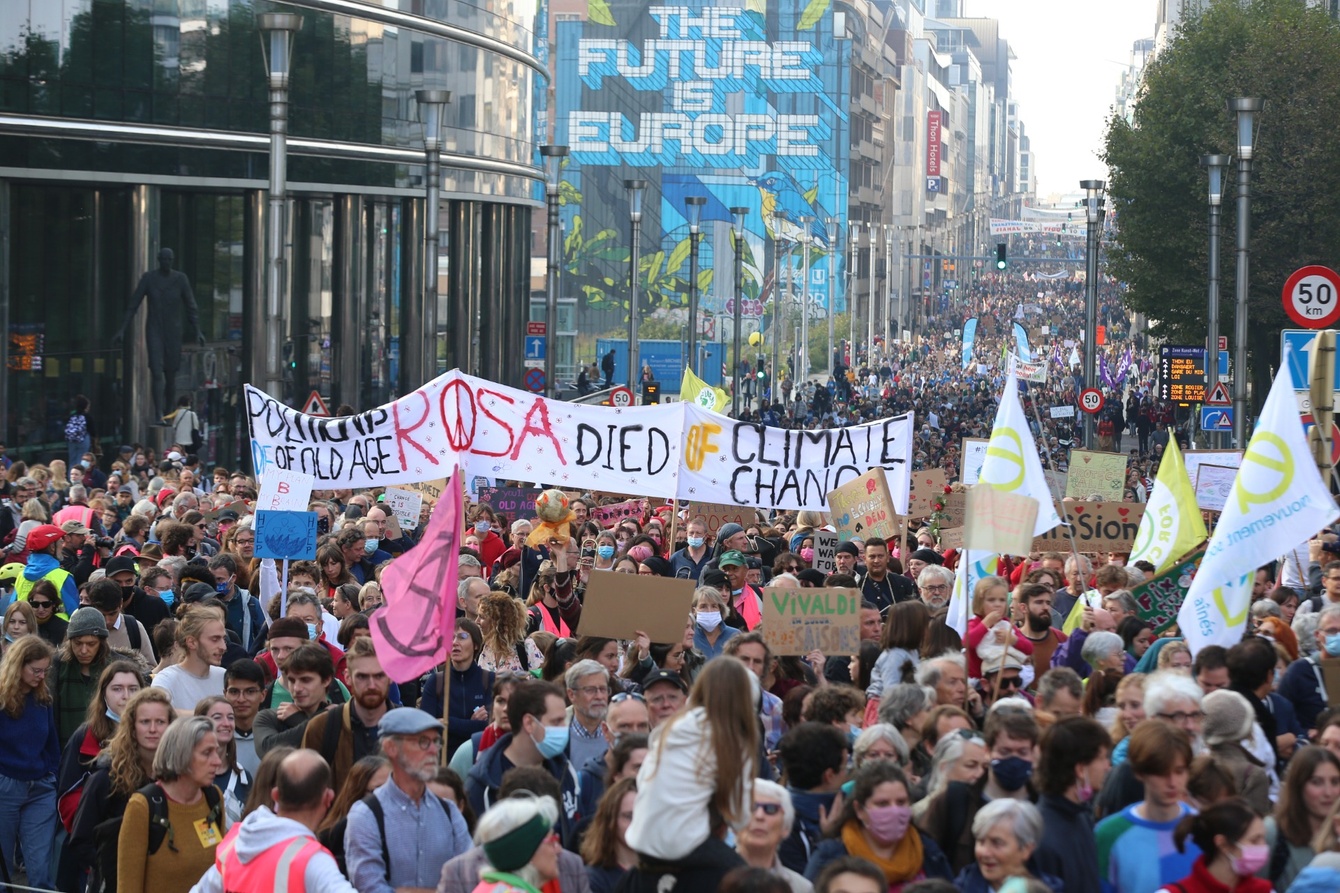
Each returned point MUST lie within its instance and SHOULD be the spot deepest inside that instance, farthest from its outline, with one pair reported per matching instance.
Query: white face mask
(709, 620)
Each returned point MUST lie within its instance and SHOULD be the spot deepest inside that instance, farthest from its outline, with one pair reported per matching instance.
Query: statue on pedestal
(169, 294)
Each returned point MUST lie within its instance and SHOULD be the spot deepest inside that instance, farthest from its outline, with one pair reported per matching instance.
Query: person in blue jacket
(471, 687)
(876, 825)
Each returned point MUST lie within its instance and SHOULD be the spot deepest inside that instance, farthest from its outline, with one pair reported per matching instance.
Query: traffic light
(1001, 262)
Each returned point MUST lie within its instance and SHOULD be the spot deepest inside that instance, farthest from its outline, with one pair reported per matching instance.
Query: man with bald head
(394, 540)
(268, 842)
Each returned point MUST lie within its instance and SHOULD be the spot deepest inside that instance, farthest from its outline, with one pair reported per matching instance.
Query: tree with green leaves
(1286, 54)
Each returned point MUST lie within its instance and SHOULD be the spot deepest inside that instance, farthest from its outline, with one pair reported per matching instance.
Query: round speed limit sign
(1312, 297)
(621, 397)
(1091, 400)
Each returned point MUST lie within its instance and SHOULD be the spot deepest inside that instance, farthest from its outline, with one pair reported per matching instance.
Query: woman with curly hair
(124, 767)
(502, 621)
(29, 756)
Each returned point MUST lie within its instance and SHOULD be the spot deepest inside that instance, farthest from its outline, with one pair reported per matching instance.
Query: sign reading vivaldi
(741, 104)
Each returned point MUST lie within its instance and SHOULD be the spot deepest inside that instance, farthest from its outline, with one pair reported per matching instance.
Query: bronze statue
(169, 293)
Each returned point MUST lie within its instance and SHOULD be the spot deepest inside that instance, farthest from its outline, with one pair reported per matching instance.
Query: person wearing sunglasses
(46, 605)
(770, 820)
(1002, 680)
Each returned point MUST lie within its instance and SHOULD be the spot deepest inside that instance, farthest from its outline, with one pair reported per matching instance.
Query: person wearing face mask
(149, 610)
(491, 546)
(605, 552)
(1011, 740)
(243, 614)
(1231, 839)
(1075, 755)
(710, 634)
(876, 825)
(539, 738)
(1303, 684)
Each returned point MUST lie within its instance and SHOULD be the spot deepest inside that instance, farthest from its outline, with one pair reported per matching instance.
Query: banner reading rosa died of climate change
(668, 451)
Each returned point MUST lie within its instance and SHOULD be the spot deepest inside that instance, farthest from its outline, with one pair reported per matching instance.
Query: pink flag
(413, 630)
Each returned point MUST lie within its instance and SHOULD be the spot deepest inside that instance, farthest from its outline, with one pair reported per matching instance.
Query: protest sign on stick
(798, 621)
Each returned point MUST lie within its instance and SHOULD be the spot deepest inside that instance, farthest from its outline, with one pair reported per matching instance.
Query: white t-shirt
(187, 689)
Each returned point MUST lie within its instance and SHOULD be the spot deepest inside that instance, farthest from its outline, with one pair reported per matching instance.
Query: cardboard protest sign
(955, 511)
(1062, 412)
(1097, 526)
(1056, 481)
(282, 535)
(717, 515)
(284, 491)
(1160, 598)
(864, 508)
(1213, 484)
(1096, 474)
(974, 454)
(999, 521)
(611, 515)
(1194, 459)
(798, 621)
(927, 486)
(951, 537)
(515, 502)
(405, 505)
(431, 491)
(825, 551)
(616, 605)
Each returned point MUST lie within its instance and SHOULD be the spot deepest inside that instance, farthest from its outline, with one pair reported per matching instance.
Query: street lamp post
(694, 205)
(870, 306)
(553, 164)
(431, 103)
(854, 237)
(803, 360)
(1093, 190)
(1246, 109)
(737, 231)
(831, 226)
(776, 330)
(1215, 164)
(635, 189)
(277, 30)
(888, 282)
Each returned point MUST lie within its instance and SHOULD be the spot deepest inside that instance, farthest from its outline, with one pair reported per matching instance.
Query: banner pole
(1060, 501)
(674, 525)
(283, 590)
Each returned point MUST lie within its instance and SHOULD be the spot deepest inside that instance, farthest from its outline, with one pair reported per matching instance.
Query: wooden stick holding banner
(449, 605)
(283, 590)
(674, 525)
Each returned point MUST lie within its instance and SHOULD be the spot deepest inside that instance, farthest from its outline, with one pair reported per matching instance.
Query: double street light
(553, 166)
(431, 105)
(694, 206)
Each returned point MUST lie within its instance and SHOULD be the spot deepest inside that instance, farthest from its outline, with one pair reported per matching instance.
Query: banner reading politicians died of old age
(672, 450)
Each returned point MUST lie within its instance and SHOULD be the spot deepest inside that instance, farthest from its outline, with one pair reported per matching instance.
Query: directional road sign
(1216, 418)
(535, 347)
(1091, 400)
(1295, 350)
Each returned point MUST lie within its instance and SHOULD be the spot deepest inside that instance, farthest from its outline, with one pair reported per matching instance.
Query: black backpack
(375, 806)
(108, 832)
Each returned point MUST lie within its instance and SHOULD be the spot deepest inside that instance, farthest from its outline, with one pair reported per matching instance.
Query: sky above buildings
(1071, 54)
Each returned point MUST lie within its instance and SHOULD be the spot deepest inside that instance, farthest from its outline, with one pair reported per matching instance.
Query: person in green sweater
(73, 680)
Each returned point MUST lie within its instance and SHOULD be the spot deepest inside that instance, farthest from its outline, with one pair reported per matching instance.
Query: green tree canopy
(1288, 55)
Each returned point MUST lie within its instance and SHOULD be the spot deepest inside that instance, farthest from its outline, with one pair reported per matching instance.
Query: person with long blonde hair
(502, 622)
(699, 770)
(1130, 703)
(29, 757)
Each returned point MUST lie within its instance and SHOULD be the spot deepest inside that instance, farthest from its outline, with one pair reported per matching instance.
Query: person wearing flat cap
(401, 835)
(518, 837)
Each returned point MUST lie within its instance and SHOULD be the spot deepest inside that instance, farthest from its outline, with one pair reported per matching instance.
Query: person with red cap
(43, 541)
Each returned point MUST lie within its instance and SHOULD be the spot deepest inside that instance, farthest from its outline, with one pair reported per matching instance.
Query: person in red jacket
(491, 545)
(988, 608)
(1232, 841)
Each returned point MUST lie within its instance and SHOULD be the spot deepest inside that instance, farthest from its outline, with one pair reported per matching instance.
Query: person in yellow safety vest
(277, 852)
(43, 541)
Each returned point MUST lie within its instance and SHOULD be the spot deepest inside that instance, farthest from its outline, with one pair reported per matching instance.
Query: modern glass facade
(130, 125)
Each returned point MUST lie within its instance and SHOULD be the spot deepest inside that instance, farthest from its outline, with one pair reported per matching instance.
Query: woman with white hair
(1007, 832)
(1104, 651)
(518, 838)
(770, 822)
(959, 756)
(880, 742)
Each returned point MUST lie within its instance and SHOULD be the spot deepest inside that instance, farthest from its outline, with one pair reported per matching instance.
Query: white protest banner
(825, 551)
(1028, 371)
(492, 430)
(1213, 484)
(1194, 459)
(1277, 496)
(284, 491)
(999, 521)
(1062, 412)
(405, 505)
(744, 463)
(974, 454)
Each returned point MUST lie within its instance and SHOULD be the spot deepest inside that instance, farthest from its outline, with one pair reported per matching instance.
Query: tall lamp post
(553, 165)
(1215, 164)
(694, 205)
(277, 30)
(803, 360)
(635, 190)
(870, 307)
(854, 237)
(1246, 109)
(1093, 191)
(737, 232)
(888, 283)
(831, 226)
(777, 302)
(431, 103)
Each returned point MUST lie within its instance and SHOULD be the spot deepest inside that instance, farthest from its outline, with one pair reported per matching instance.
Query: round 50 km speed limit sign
(1312, 297)
(1091, 400)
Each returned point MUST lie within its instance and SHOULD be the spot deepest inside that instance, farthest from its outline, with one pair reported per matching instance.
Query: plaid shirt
(773, 726)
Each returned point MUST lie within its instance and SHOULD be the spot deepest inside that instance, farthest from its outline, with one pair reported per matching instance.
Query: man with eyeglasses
(934, 584)
(589, 692)
(399, 838)
(244, 689)
(665, 691)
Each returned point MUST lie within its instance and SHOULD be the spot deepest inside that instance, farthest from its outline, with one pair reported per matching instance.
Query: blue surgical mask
(853, 732)
(370, 546)
(555, 741)
(221, 588)
(1332, 645)
(481, 527)
(605, 552)
(696, 542)
(168, 596)
(311, 631)
(112, 716)
(85, 463)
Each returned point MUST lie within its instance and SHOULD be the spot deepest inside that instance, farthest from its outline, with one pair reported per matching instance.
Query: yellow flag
(1172, 525)
(693, 389)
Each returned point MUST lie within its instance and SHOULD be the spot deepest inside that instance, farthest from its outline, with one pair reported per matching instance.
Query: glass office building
(131, 125)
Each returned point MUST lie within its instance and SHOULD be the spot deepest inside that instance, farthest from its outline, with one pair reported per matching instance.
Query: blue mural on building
(742, 103)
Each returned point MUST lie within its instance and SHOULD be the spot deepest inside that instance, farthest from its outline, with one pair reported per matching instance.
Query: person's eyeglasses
(40, 606)
(242, 692)
(940, 587)
(1181, 717)
(768, 808)
(592, 690)
(625, 695)
(36, 672)
(424, 742)
(242, 541)
(462, 636)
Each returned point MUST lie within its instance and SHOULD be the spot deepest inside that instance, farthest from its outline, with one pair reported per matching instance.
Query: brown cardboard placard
(717, 515)
(1098, 527)
(927, 485)
(616, 605)
(951, 537)
(999, 521)
(431, 491)
(863, 507)
(798, 621)
(1094, 473)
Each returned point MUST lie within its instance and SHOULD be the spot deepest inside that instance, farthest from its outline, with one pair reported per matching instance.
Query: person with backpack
(172, 827)
(308, 672)
(78, 430)
(401, 834)
(124, 767)
(346, 733)
(29, 757)
(116, 686)
(186, 428)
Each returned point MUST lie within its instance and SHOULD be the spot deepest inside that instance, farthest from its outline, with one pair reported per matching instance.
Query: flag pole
(1060, 501)
(674, 524)
(450, 605)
